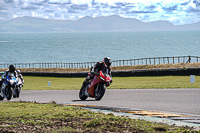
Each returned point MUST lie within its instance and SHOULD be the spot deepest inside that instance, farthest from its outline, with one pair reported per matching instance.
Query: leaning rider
(11, 71)
(106, 63)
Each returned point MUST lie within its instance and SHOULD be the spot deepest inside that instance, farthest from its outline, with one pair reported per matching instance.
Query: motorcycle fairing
(9, 81)
(92, 85)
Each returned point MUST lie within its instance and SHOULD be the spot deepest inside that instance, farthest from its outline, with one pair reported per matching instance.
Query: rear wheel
(82, 95)
(100, 91)
(17, 92)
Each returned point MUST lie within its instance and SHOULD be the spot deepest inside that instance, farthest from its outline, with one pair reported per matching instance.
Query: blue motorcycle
(8, 88)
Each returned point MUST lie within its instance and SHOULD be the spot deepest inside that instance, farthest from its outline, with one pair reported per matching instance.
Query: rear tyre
(17, 92)
(82, 95)
(100, 91)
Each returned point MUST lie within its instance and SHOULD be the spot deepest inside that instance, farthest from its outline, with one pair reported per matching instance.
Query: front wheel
(99, 91)
(1, 98)
(1, 95)
(8, 93)
(82, 95)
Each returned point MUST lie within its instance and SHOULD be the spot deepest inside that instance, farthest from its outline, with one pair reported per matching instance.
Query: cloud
(175, 11)
(197, 3)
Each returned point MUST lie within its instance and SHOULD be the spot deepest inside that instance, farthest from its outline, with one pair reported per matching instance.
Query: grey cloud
(71, 11)
(93, 1)
(120, 4)
(40, 3)
(142, 12)
(57, 15)
(191, 9)
(115, 7)
(29, 8)
(67, 2)
(104, 5)
(56, 3)
(2, 8)
(20, 2)
(128, 7)
(79, 7)
(186, 3)
(151, 7)
(49, 11)
(96, 7)
(3, 14)
(197, 2)
(172, 8)
(8, 1)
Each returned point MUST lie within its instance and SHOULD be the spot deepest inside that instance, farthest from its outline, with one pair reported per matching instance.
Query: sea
(92, 47)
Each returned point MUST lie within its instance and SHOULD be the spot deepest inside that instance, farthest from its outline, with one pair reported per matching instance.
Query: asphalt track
(179, 101)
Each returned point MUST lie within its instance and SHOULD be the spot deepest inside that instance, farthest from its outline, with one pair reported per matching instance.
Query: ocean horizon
(92, 47)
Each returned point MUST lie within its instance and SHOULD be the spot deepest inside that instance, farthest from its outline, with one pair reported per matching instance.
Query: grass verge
(32, 117)
(41, 83)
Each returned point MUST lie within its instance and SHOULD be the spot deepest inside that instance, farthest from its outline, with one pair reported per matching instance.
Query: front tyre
(82, 95)
(1, 98)
(100, 91)
(8, 93)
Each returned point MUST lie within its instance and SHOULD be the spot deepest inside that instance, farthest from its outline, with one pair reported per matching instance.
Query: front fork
(3, 87)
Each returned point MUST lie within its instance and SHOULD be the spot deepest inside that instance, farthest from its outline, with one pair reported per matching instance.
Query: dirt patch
(70, 125)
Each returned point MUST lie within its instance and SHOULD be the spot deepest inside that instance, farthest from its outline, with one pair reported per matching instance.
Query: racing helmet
(107, 61)
(12, 68)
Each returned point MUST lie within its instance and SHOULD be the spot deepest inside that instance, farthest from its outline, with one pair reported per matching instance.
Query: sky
(178, 12)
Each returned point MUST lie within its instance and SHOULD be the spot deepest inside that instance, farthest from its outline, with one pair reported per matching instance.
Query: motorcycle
(8, 87)
(96, 88)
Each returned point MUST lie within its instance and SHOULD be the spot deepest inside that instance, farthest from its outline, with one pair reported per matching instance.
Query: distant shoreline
(113, 23)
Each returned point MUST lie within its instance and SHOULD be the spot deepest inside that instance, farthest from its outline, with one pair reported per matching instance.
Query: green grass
(155, 82)
(41, 83)
(32, 117)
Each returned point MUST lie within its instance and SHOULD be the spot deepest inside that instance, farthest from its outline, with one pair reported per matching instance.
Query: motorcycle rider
(106, 63)
(9, 72)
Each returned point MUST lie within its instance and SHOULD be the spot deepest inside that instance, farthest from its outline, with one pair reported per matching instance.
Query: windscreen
(105, 71)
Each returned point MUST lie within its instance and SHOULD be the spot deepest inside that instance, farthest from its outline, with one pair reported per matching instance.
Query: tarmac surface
(185, 102)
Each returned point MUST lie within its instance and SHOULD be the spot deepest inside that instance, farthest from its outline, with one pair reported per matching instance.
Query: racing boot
(86, 92)
(85, 85)
(86, 81)
(14, 95)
